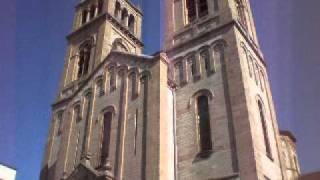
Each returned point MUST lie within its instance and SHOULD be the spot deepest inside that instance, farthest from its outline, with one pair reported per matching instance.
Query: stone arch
(133, 70)
(110, 108)
(200, 92)
(145, 74)
(220, 43)
(119, 45)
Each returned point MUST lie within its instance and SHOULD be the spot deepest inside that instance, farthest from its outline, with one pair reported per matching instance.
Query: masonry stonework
(201, 108)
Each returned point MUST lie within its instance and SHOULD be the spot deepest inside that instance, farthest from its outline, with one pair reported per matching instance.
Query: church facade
(200, 109)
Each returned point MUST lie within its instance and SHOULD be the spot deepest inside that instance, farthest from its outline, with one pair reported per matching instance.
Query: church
(199, 109)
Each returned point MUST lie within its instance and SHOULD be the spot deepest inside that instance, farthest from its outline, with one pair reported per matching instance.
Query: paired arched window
(196, 9)
(264, 129)
(107, 120)
(126, 19)
(84, 59)
(203, 118)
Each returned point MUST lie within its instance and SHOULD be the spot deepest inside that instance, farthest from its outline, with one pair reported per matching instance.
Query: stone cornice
(230, 24)
(83, 82)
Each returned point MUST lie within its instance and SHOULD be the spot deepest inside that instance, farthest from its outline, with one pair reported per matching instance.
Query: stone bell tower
(226, 126)
(99, 27)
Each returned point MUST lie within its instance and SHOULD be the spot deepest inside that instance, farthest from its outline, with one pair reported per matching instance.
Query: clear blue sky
(32, 52)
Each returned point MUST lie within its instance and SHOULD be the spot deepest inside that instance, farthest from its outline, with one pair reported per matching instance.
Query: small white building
(7, 173)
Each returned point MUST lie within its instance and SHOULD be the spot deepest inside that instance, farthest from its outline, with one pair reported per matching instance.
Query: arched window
(60, 121)
(179, 74)
(202, 8)
(117, 10)
(203, 119)
(112, 79)
(131, 23)
(264, 129)
(191, 10)
(124, 17)
(107, 120)
(77, 113)
(193, 67)
(84, 16)
(92, 11)
(196, 9)
(100, 6)
(84, 59)
(205, 58)
(133, 85)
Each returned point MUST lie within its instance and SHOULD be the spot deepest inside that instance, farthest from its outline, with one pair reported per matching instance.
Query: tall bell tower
(226, 126)
(99, 27)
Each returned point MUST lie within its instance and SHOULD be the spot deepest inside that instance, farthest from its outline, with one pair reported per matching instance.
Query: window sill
(203, 155)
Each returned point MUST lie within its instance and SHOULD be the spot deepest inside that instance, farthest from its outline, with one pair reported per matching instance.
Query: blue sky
(32, 51)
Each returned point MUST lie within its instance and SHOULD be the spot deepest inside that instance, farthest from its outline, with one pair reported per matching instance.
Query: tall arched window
(117, 10)
(193, 65)
(60, 121)
(202, 8)
(100, 6)
(131, 23)
(77, 113)
(107, 120)
(84, 58)
(92, 11)
(124, 17)
(205, 58)
(203, 118)
(112, 79)
(264, 129)
(191, 10)
(84, 16)
(133, 85)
